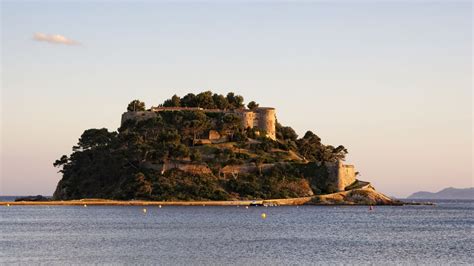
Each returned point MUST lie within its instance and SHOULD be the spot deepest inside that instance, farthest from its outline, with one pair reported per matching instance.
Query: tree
(61, 161)
(169, 136)
(175, 101)
(189, 100)
(252, 105)
(235, 101)
(92, 138)
(179, 151)
(312, 149)
(199, 123)
(310, 146)
(205, 100)
(258, 161)
(196, 156)
(136, 105)
(309, 134)
(231, 122)
(144, 187)
(332, 154)
(285, 133)
(220, 101)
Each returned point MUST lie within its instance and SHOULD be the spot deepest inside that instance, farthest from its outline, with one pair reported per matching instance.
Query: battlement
(160, 109)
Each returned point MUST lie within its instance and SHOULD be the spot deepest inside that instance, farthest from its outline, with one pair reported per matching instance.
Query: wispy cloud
(54, 38)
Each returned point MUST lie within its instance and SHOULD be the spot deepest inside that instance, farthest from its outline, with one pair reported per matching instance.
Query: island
(208, 149)
(449, 193)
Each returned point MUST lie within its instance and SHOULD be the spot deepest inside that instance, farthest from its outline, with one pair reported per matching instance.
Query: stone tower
(248, 118)
(267, 120)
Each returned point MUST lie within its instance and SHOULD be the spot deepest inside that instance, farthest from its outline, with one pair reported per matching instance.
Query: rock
(366, 195)
(33, 198)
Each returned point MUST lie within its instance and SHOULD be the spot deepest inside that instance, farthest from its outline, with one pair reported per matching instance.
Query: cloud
(53, 38)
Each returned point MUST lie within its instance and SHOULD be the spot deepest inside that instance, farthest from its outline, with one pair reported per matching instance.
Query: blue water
(440, 234)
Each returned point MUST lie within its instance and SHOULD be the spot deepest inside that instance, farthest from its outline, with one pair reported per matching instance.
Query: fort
(261, 118)
(209, 147)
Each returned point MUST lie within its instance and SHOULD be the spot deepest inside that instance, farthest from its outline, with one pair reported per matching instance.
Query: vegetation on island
(140, 160)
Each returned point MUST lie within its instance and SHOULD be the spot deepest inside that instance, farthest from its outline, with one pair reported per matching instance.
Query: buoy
(246, 207)
(371, 208)
(159, 206)
(85, 205)
(144, 210)
(8, 205)
(264, 216)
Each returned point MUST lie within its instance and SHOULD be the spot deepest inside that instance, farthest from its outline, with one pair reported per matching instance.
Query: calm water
(232, 235)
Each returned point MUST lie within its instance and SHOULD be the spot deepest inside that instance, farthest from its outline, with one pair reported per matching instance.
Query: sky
(391, 81)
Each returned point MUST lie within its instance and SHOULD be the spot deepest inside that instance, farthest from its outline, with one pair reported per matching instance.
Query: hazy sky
(390, 81)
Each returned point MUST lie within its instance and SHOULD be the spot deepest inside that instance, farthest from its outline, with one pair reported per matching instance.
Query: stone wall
(138, 116)
(213, 134)
(346, 176)
(341, 175)
(248, 118)
(245, 168)
(262, 118)
(186, 167)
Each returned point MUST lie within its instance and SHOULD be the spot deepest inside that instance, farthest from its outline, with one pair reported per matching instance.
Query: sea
(441, 234)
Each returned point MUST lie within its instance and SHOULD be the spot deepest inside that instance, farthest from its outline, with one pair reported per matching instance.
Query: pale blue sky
(390, 81)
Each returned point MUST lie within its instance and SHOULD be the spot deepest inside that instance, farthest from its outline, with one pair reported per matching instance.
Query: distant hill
(447, 193)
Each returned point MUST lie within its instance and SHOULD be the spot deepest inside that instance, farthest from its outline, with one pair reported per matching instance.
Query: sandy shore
(104, 202)
(361, 196)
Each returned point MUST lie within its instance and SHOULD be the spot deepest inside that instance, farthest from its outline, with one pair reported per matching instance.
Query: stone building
(342, 175)
(261, 118)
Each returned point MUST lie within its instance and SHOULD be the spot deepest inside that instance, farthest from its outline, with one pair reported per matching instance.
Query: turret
(267, 120)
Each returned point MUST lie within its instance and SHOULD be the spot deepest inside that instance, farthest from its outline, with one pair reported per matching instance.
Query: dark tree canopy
(208, 100)
(175, 101)
(136, 105)
(205, 100)
(189, 100)
(235, 101)
(312, 149)
(220, 101)
(92, 138)
(286, 133)
(252, 105)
